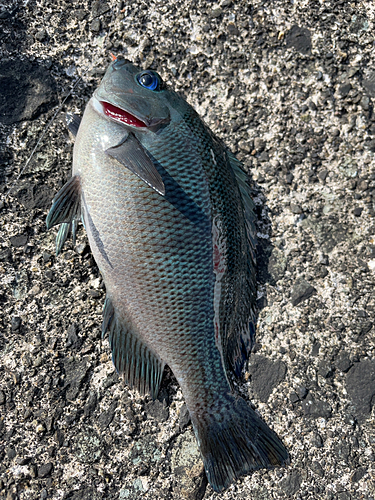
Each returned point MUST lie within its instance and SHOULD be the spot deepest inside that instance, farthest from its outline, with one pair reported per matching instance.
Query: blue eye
(149, 80)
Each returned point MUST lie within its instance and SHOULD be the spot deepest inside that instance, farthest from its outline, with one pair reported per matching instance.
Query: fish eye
(149, 80)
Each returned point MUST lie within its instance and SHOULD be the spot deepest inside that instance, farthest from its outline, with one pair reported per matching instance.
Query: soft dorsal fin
(73, 122)
(239, 344)
(136, 158)
(141, 368)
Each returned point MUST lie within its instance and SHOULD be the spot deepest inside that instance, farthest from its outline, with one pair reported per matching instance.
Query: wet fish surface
(170, 221)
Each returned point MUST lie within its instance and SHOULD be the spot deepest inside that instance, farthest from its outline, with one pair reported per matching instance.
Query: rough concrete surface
(290, 87)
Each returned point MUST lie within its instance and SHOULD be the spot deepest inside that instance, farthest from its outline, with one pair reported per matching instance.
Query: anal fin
(142, 369)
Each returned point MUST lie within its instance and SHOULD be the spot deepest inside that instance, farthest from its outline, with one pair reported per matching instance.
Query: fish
(170, 221)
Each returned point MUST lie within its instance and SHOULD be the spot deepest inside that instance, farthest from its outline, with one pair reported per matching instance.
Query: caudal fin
(234, 441)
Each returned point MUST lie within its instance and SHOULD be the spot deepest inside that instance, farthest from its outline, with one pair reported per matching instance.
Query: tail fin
(234, 441)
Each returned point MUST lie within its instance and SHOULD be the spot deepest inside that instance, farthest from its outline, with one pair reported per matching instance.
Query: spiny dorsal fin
(142, 369)
(135, 157)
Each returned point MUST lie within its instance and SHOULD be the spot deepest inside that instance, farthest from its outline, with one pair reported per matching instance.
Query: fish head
(132, 96)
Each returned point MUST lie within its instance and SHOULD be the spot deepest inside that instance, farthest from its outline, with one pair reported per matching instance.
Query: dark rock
(292, 483)
(16, 323)
(302, 392)
(157, 410)
(75, 372)
(325, 369)
(294, 398)
(84, 494)
(184, 417)
(36, 196)
(46, 257)
(11, 453)
(2, 397)
(265, 375)
(277, 264)
(95, 294)
(358, 474)
(302, 290)
(323, 175)
(95, 26)
(72, 337)
(369, 84)
(26, 90)
(45, 470)
(317, 468)
(299, 38)
(342, 451)
(19, 240)
(80, 14)
(99, 7)
(358, 211)
(328, 232)
(91, 404)
(360, 384)
(343, 363)
(344, 89)
(106, 417)
(315, 409)
(317, 440)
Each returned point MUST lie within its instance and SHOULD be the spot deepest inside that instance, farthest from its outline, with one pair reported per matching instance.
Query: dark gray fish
(170, 222)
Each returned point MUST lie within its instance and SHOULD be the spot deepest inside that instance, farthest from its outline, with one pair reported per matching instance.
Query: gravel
(290, 87)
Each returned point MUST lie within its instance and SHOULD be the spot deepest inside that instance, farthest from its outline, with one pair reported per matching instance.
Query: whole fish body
(170, 223)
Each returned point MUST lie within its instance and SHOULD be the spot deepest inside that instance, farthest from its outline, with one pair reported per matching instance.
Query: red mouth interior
(119, 114)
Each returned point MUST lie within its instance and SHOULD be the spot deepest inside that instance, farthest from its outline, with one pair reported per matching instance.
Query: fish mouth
(120, 115)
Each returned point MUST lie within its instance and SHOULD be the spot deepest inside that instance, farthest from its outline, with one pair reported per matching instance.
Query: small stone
(46, 257)
(360, 384)
(325, 369)
(95, 25)
(16, 323)
(344, 89)
(371, 145)
(323, 175)
(45, 470)
(317, 468)
(259, 144)
(316, 409)
(302, 391)
(19, 240)
(2, 397)
(299, 38)
(301, 291)
(317, 440)
(95, 294)
(343, 363)
(184, 417)
(295, 209)
(11, 453)
(358, 474)
(294, 398)
(358, 211)
(216, 13)
(292, 483)
(157, 410)
(265, 375)
(41, 35)
(277, 264)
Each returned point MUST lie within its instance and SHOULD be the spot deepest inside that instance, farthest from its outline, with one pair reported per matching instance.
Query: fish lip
(149, 123)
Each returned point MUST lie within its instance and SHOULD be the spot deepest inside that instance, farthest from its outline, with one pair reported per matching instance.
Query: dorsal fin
(239, 344)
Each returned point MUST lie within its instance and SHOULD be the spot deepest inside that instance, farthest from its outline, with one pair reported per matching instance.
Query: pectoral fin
(73, 122)
(66, 205)
(135, 157)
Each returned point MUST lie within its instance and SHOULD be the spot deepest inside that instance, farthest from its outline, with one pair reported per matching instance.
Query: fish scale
(170, 222)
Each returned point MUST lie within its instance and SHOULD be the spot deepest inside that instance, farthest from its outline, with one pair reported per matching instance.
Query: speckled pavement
(290, 87)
